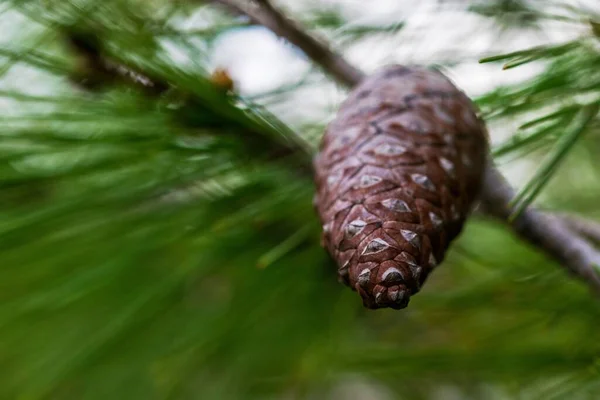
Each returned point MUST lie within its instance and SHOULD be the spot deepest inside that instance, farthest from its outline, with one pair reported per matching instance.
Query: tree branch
(96, 70)
(551, 235)
(585, 227)
(263, 13)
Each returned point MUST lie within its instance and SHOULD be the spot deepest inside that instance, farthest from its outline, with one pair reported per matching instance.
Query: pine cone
(397, 173)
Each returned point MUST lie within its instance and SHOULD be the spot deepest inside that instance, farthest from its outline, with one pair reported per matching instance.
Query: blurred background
(157, 236)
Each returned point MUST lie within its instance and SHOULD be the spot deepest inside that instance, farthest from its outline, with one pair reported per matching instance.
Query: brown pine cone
(397, 173)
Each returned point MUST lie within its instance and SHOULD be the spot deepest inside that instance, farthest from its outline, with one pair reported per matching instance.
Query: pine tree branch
(552, 236)
(585, 227)
(263, 13)
(95, 69)
(98, 69)
(550, 233)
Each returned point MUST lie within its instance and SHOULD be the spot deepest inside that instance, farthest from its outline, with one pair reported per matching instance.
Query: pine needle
(549, 166)
(284, 247)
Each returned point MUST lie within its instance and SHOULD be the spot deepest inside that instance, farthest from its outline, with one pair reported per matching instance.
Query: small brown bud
(222, 79)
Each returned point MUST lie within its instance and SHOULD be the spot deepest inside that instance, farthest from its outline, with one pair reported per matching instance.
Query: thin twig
(95, 69)
(262, 12)
(551, 235)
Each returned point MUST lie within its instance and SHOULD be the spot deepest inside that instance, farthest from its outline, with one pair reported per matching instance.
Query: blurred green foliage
(163, 247)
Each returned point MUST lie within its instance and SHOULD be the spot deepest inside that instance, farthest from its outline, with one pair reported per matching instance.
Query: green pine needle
(284, 248)
(566, 142)
(534, 53)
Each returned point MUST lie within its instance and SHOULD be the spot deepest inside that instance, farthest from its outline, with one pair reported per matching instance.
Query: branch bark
(585, 227)
(95, 69)
(551, 235)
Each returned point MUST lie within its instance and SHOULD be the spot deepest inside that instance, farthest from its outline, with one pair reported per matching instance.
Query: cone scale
(397, 173)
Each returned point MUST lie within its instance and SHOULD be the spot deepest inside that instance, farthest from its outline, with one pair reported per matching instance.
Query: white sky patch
(258, 60)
